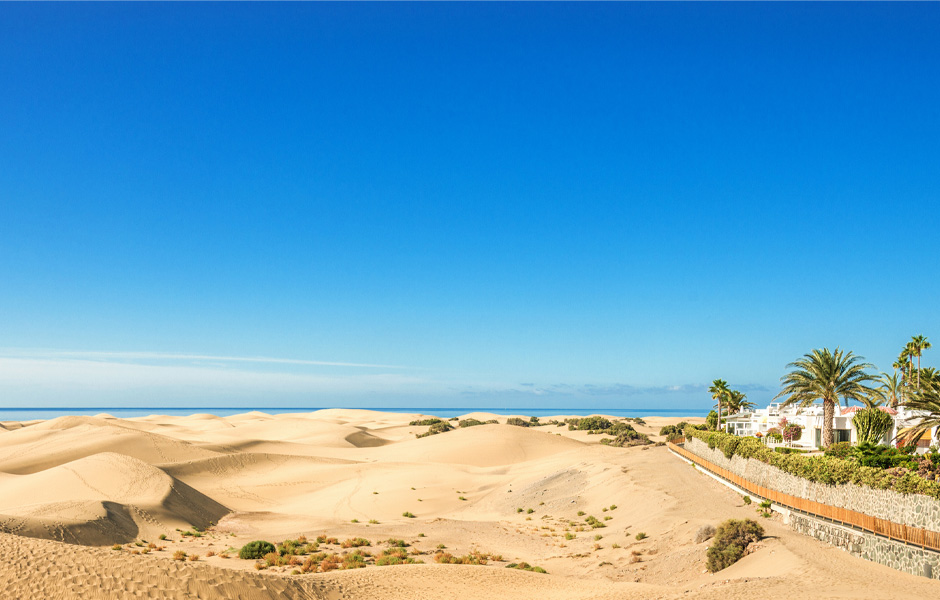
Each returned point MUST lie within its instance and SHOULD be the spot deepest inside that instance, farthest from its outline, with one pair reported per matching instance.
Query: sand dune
(70, 484)
(101, 499)
(52, 443)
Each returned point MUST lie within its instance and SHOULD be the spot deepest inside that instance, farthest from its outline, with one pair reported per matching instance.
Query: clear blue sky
(549, 205)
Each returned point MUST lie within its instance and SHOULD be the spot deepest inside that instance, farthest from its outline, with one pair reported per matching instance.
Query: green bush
(517, 422)
(731, 542)
(426, 422)
(840, 450)
(255, 550)
(469, 423)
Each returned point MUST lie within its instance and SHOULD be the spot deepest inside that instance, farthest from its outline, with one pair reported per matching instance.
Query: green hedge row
(828, 470)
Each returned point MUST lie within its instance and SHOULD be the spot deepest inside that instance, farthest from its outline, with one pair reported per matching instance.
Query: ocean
(28, 414)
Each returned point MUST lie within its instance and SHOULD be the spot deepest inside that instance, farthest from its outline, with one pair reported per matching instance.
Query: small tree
(712, 421)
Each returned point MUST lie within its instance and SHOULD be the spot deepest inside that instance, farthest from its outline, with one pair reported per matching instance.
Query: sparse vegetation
(524, 566)
(425, 422)
(641, 536)
(439, 427)
(179, 555)
(731, 542)
(593, 522)
(473, 558)
(408, 515)
(517, 422)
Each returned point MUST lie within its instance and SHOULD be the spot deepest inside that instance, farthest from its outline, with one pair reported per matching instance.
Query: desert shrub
(517, 422)
(747, 499)
(524, 566)
(593, 423)
(436, 428)
(705, 532)
(426, 422)
(469, 423)
(408, 515)
(255, 550)
(731, 541)
(179, 555)
(675, 438)
(192, 557)
(396, 543)
(473, 558)
(356, 543)
(641, 536)
(594, 523)
(668, 430)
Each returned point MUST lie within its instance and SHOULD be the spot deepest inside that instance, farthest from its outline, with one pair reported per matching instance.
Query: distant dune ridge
(71, 487)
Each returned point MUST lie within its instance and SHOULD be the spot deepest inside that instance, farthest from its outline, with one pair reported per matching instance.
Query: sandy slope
(97, 481)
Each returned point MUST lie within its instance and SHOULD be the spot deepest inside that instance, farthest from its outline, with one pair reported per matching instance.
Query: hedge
(828, 470)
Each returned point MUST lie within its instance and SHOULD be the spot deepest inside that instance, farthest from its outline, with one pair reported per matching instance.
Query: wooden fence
(915, 536)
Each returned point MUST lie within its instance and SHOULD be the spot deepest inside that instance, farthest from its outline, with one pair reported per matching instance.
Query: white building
(760, 421)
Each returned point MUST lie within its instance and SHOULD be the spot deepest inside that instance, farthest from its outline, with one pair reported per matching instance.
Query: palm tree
(925, 401)
(903, 362)
(737, 402)
(929, 374)
(826, 375)
(719, 391)
(918, 343)
(909, 352)
(891, 390)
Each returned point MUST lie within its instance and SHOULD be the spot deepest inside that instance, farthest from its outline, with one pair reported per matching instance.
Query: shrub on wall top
(828, 470)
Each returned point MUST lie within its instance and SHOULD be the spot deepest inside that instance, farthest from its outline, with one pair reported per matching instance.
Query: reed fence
(914, 536)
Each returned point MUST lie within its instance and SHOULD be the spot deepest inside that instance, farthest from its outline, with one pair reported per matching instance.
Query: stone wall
(869, 546)
(908, 509)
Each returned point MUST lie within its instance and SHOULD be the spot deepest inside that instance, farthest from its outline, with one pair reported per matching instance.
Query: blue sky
(526, 205)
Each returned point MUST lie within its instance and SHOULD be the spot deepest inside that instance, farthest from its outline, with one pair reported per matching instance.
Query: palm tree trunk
(718, 424)
(918, 372)
(829, 411)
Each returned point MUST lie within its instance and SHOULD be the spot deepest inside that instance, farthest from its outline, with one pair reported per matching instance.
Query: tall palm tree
(828, 376)
(909, 351)
(903, 362)
(890, 390)
(720, 392)
(926, 402)
(919, 343)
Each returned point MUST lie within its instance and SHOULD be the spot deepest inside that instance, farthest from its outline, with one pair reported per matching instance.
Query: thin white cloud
(70, 380)
(162, 356)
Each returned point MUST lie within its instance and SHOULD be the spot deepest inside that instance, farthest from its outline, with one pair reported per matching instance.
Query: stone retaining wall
(908, 509)
(869, 546)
